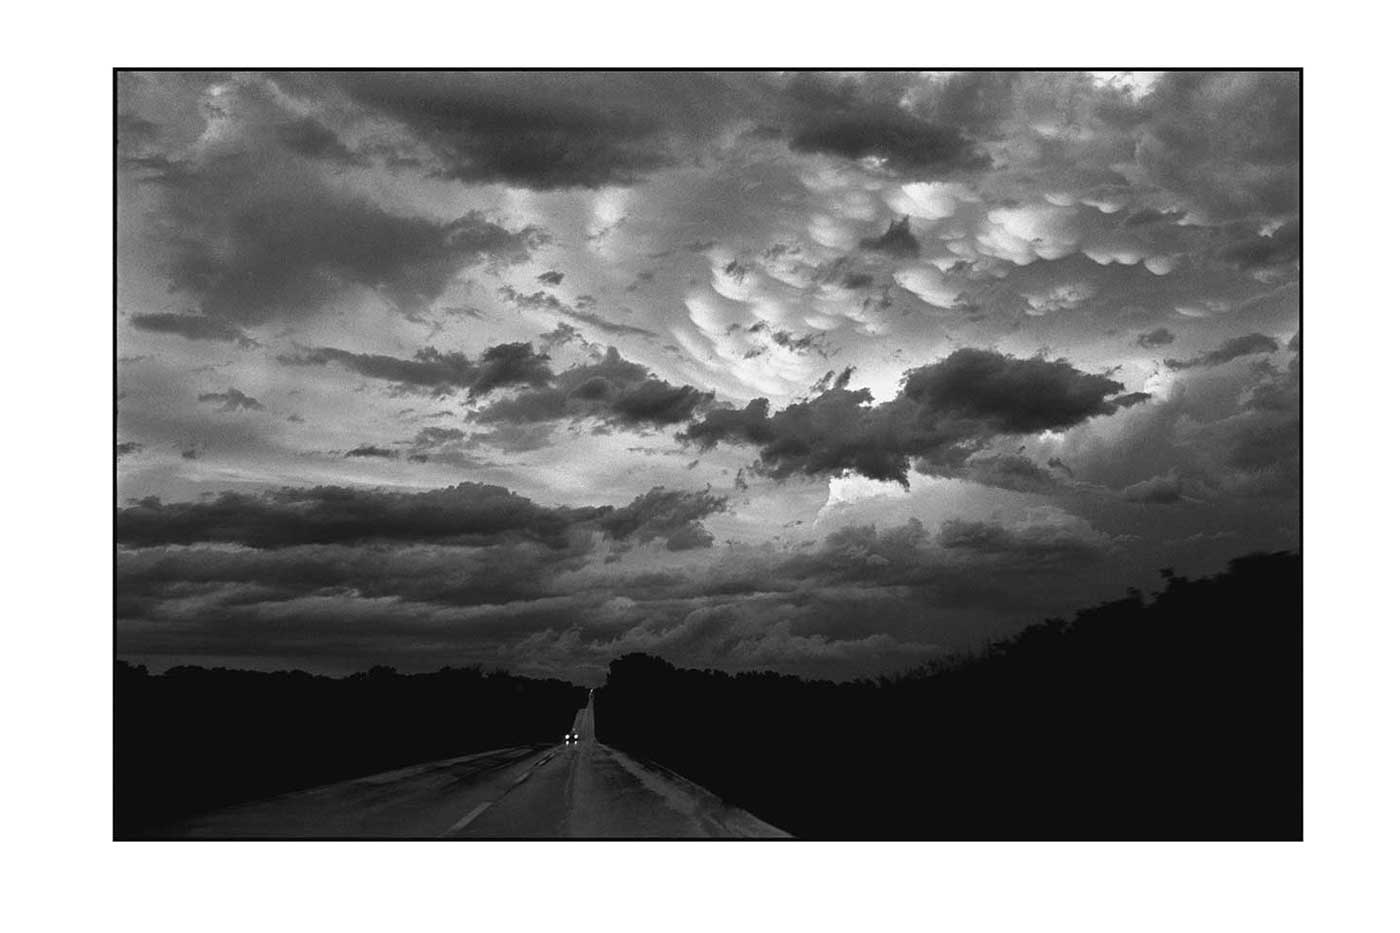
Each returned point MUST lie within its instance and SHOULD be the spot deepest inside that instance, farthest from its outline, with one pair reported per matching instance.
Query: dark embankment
(193, 739)
(1177, 717)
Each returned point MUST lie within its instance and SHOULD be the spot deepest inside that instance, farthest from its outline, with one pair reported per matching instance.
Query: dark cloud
(551, 277)
(1152, 339)
(192, 327)
(134, 131)
(612, 389)
(1010, 395)
(1227, 143)
(667, 514)
(253, 232)
(1041, 543)
(232, 400)
(511, 364)
(467, 514)
(1252, 251)
(370, 450)
(1232, 349)
(856, 118)
(310, 138)
(944, 413)
(1005, 471)
(1130, 399)
(126, 448)
(437, 373)
(536, 130)
(896, 241)
(297, 254)
(448, 446)
(397, 587)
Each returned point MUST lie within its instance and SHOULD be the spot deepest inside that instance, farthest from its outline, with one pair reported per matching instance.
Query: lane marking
(461, 824)
(482, 807)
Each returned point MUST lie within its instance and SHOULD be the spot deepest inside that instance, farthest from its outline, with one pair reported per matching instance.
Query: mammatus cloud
(897, 241)
(944, 413)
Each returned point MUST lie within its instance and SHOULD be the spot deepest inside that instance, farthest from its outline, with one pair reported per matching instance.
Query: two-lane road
(582, 790)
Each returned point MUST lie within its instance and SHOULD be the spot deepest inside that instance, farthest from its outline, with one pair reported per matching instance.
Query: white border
(57, 687)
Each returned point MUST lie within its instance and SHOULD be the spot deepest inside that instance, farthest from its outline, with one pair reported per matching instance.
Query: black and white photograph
(727, 467)
(799, 455)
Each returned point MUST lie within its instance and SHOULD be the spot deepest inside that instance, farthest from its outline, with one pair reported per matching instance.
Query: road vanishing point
(582, 790)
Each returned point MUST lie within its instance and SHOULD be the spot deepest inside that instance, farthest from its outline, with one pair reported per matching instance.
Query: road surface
(584, 790)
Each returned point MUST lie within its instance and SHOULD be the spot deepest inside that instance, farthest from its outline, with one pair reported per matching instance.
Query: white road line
(481, 807)
(460, 824)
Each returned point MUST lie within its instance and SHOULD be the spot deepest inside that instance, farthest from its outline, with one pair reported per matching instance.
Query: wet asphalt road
(584, 790)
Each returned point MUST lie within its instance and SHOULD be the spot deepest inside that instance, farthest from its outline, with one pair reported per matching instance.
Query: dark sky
(820, 373)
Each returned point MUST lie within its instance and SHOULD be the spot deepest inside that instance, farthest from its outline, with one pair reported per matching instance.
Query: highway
(583, 790)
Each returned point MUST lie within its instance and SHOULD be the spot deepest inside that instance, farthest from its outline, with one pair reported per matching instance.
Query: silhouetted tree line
(194, 739)
(1174, 717)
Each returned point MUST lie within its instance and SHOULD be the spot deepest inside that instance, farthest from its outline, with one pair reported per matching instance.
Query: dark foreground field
(1178, 717)
(194, 739)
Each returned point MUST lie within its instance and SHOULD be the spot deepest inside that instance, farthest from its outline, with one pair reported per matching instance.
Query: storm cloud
(890, 369)
(944, 412)
(438, 373)
(541, 130)
(1232, 349)
(671, 515)
(232, 400)
(856, 119)
(468, 514)
(192, 327)
(261, 236)
(612, 389)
